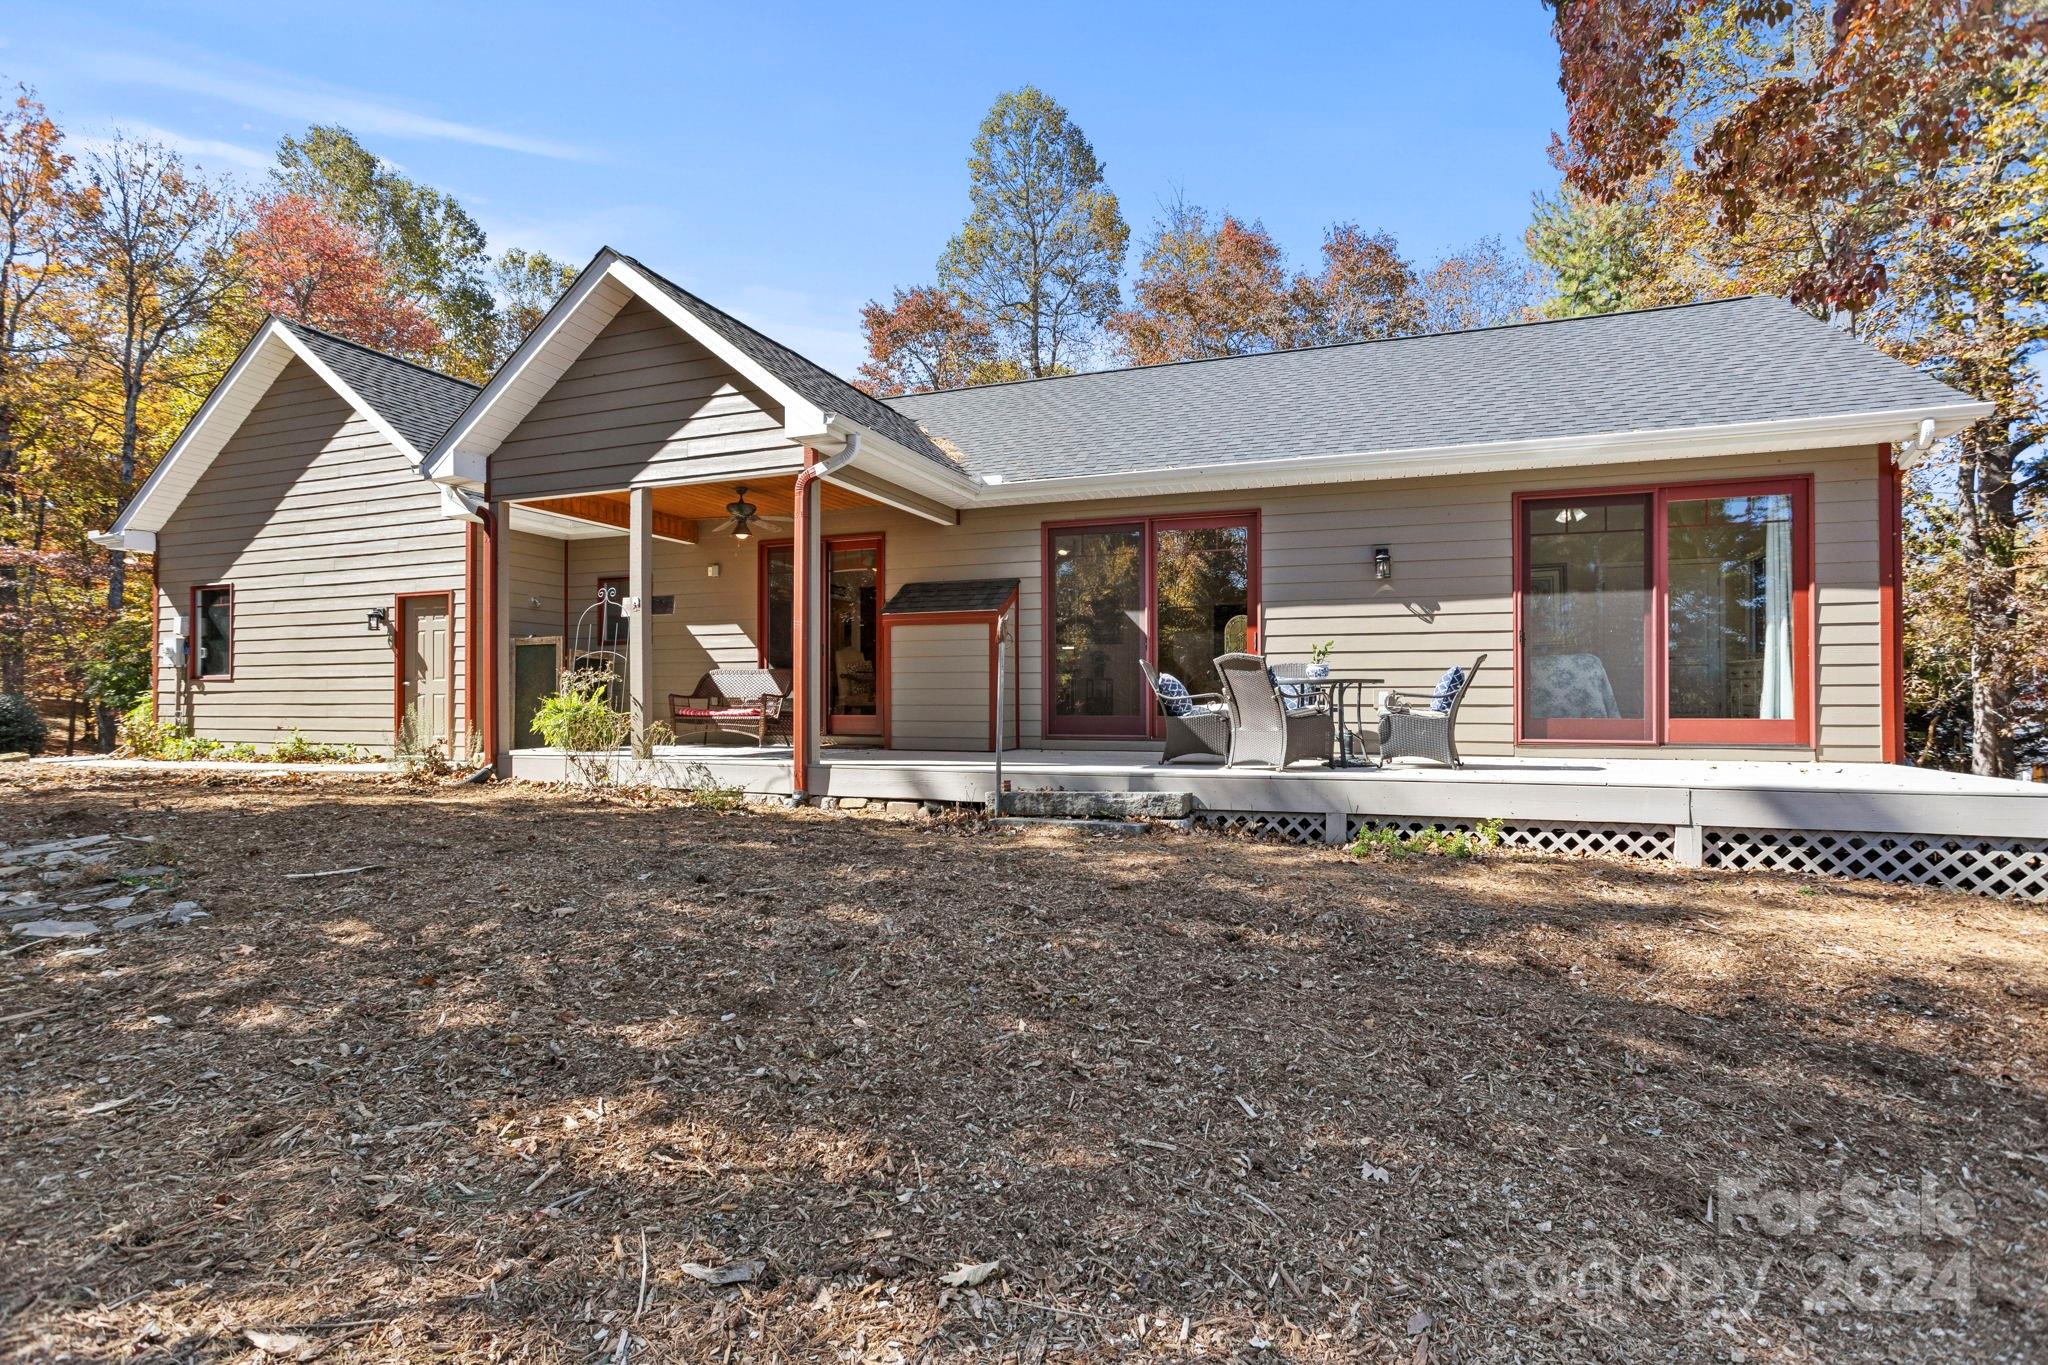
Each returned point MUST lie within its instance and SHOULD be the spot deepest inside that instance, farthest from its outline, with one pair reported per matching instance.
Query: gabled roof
(823, 388)
(1733, 370)
(418, 402)
(409, 405)
(820, 411)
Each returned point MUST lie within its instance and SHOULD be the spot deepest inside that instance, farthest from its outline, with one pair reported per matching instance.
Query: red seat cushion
(717, 713)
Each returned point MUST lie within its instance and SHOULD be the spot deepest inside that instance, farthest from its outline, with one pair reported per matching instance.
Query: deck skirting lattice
(1632, 841)
(1258, 824)
(2011, 869)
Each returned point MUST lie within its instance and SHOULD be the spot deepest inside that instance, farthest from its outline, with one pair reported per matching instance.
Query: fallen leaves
(970, 1274)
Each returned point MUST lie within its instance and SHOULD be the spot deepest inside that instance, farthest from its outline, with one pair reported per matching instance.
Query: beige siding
(534, 565)
(713, 625)
(1451, 596)
(643, 403)
(939, 686)
(314, 518)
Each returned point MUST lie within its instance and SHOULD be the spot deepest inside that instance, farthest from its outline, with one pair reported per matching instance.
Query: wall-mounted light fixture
(1382, 562)
(380, 619)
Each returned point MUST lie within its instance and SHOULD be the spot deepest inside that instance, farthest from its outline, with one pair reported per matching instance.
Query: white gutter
(1735, 438)
(1912, 452)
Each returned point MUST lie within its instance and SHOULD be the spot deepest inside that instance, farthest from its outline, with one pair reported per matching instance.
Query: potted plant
(1319, 659)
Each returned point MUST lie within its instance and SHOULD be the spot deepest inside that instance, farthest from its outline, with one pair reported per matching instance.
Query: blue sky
(791, 162)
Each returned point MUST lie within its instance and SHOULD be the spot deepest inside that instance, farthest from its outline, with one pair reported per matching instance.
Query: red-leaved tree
(304, 265)
(922, 341)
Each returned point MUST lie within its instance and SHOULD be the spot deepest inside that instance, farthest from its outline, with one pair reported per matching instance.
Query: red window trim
(1150, 725)
(401, 625)
(192, 664)
(1664, 729)
(877, 724)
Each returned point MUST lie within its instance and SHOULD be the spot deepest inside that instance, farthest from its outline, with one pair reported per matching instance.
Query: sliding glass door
(1177, 591)
(1671, 615)
(1586, 619)
(1731, 632)
(851, 649)
(1097, 606)
(1202, 593)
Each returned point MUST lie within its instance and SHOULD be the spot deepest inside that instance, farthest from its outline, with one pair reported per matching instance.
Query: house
(1674, 532)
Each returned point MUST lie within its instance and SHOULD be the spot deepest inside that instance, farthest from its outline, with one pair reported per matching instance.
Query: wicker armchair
(744, 702)
(1425, 733)
(1203, 731)
(1263, 728)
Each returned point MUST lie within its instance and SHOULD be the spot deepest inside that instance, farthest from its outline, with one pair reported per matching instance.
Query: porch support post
(497, 636)
(804, 635)
(640, 623)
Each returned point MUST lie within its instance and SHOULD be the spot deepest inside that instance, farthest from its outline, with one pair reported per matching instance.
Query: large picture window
(213, 632)
(1666, 615)
(1177, 591)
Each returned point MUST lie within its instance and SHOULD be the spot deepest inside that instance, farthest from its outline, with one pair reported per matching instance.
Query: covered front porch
(748, 607)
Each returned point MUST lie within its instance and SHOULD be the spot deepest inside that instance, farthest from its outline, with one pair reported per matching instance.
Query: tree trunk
(13, 601)
(1990, 532)
(104, 716)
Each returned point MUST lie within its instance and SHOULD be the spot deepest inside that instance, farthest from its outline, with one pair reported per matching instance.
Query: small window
(213, 632)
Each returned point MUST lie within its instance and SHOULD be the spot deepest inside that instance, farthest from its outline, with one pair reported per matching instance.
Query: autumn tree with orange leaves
(302, 264)
(922, 341)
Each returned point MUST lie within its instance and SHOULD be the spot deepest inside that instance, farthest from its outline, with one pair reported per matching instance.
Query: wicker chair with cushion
(748, 703)
(1432, 730)
(1263, 728)
(1197, 723)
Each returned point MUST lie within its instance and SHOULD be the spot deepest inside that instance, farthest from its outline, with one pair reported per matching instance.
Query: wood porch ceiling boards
(678, 509)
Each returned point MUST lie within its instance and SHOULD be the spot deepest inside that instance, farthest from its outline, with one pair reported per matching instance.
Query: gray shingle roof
(817, 384)
(419, 403)
(958, 594)
(1703, 364)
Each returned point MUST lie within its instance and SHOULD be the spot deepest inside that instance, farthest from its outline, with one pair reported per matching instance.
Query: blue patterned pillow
(1173, 696)
(1447, 688)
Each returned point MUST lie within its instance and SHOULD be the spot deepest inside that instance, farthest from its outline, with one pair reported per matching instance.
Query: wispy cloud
(210, 153)
(293, 98)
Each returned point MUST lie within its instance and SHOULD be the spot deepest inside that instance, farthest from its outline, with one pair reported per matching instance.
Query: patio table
(1349, 700)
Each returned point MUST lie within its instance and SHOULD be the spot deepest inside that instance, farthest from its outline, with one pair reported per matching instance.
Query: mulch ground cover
(538, 1075)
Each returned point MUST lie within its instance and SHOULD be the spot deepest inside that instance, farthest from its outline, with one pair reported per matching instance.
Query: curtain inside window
(1774, 699)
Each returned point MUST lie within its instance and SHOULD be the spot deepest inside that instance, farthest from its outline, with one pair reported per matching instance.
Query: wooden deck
(1843, 819)
(1675, 793)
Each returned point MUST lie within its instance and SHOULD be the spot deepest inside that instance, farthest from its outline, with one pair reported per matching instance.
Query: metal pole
(1002, 674)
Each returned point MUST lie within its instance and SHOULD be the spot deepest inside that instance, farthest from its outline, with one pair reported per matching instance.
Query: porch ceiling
(706, 501)
(678, 509)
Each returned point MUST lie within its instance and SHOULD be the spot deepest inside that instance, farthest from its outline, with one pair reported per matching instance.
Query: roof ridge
(299, 326)
(1330, 346)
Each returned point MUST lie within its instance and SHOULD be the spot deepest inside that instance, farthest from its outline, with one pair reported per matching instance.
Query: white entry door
(425, 689)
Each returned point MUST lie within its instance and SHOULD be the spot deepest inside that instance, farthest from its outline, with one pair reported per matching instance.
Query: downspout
(484, 663)
(1891, 497)
(800, 635)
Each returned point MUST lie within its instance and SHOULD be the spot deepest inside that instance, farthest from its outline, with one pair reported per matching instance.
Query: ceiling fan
(741, 516)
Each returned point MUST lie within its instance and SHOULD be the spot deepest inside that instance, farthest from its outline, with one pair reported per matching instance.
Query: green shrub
(296, 748)
(240, 752)
(183, 748)
(578, 718)
(1386, 841)
(117, 673)
(21, 726)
